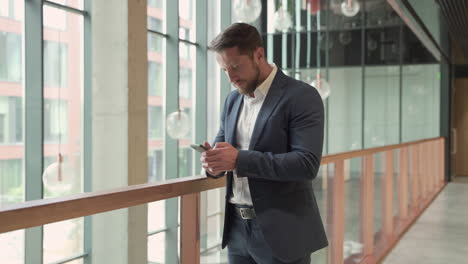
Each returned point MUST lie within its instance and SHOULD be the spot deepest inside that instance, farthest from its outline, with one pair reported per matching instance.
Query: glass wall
(12, 186)
(62, 124)
(384, 85)
(63, 90)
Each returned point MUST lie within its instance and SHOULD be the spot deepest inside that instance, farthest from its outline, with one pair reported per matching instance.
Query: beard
(251, 85)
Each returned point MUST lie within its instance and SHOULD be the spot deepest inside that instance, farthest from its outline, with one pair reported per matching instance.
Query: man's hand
(222, 158)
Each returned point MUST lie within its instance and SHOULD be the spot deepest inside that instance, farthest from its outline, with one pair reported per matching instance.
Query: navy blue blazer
(282, 160)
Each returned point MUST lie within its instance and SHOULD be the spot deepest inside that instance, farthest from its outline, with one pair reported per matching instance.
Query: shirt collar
(264, 87)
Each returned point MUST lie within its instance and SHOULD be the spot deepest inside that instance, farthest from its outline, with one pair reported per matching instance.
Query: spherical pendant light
(282, 20)
(246, 11)
(58, 176)
(178, 125)
(350, 8)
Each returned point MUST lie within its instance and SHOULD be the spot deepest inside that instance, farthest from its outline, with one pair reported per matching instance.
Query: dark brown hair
(241, 35)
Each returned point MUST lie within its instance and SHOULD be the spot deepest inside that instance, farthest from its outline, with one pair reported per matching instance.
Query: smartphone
(198, 147)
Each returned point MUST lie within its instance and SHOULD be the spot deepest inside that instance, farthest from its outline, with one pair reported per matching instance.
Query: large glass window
(55, 121)
(345, 109)
(78, 4)
(382, 106)
(187, 70)
(63, 137)
(420, 101)
(157, 211)
(10, 52)
(11, 122)
(187, 19)
(155, 76)
(55, 64)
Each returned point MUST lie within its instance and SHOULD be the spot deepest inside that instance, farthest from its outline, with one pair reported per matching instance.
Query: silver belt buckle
(244, 212)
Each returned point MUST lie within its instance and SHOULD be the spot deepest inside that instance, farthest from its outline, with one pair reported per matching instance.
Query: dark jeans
(246, 244)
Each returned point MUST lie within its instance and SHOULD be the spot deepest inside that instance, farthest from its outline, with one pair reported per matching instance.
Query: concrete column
(119, 124)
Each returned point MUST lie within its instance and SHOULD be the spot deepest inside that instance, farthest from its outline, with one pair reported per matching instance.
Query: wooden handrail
(370, 151)
(41, 212)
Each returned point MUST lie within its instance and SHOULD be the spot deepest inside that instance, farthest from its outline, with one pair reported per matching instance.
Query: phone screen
(198, 147)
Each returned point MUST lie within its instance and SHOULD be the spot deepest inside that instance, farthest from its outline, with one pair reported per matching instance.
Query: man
(270, 144)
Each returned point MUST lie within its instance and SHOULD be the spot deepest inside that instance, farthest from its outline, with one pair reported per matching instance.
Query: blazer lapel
(271, 100)
(232, 121)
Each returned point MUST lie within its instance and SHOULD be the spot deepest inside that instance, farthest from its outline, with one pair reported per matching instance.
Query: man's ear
(260, 53)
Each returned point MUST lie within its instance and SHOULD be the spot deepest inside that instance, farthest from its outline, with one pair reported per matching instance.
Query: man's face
(242, 70)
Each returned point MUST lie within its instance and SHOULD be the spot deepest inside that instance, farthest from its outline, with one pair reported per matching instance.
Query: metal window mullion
(199, 121)
(327, 67)
(297, 39)
(87, 129)
(157, 231)
(363, 73)
(225, 87)
(33, 124)
(70, 258)
(170, 144)
(157, 33)
(65, 8)
(201, 77)
(400, 84)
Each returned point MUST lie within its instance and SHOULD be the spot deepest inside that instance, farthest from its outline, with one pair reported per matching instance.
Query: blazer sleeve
(302, 161)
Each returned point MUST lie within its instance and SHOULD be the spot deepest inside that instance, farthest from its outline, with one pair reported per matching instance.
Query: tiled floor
(441, 234)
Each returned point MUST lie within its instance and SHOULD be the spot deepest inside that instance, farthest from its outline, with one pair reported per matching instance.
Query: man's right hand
(215, 174)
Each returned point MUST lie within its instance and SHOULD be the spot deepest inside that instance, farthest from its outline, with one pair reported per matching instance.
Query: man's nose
(232, 77)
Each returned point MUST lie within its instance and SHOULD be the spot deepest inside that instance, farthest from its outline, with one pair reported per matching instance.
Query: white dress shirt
(245, 125)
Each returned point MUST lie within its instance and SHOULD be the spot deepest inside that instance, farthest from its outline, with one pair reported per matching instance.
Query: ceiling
(456, 15)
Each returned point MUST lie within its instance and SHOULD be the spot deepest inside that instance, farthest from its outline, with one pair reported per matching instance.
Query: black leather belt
(245, 212)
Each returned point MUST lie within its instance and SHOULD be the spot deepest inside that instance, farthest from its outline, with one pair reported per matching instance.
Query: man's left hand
(222, 158)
